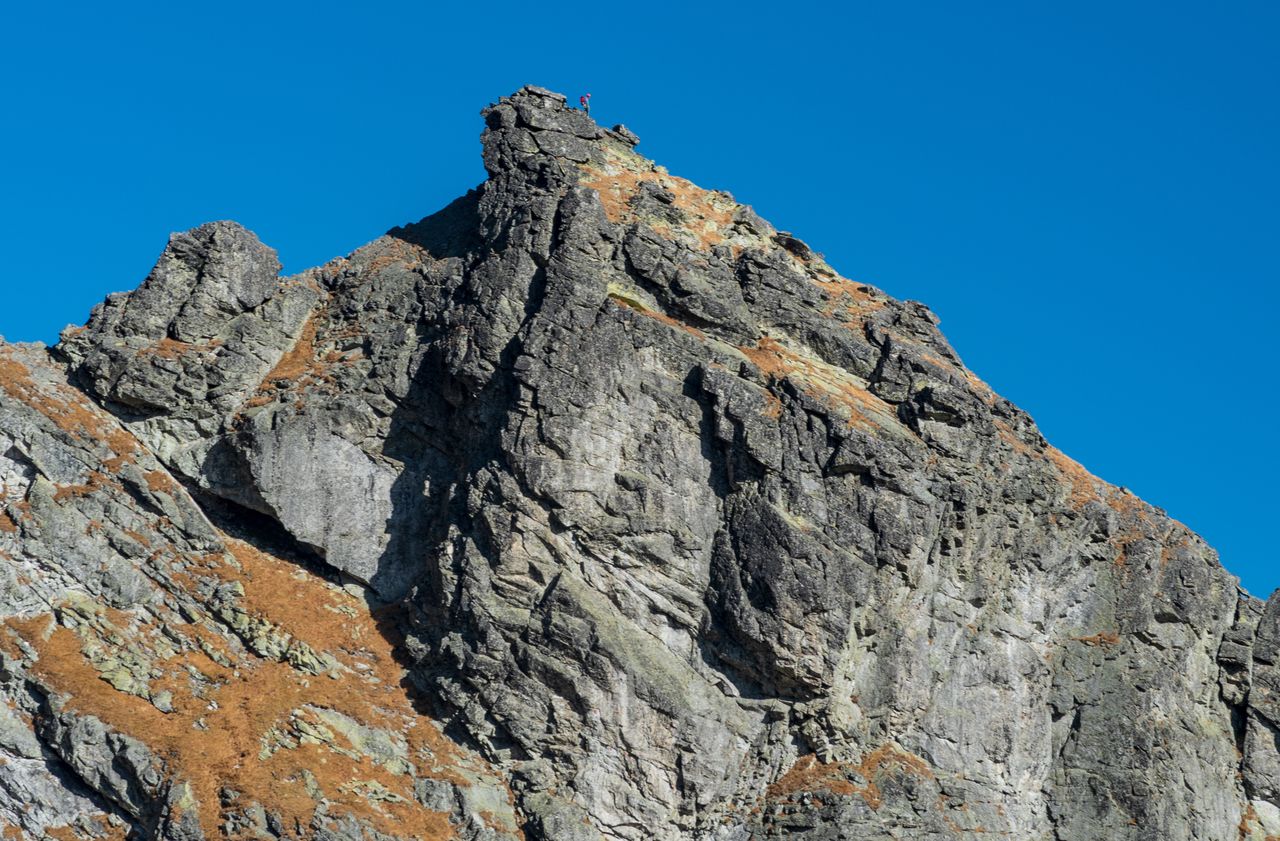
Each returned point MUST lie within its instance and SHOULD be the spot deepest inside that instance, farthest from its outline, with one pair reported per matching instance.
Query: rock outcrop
(590, 507)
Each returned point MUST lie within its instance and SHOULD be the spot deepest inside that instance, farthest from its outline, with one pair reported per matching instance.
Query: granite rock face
(590, 507)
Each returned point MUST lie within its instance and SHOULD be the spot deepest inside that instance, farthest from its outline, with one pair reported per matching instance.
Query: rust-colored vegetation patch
(138, 537)
(1105, 638)
(849, 302)
(1084, 486)
(1083, 483)
(325, 617)
(616, 189)
(168, 348)
(160, 482)
(830, 385)
(1136, 526)
(122, 443)
(97, 481)
(707, 215)
(261, 398)
(69, 410)
(1128, 506)
(7, 525)
(772, 406)
(305, 364)
(1248, 821)
(1124, 543)
(636, 306)
(392, 251)
(299, 358)
(889, 759)
(810, 775)
(980, 386)
(938, 362)
(1008, 436)
(15, 378)
(9, 640)
(1169, 551)
(246, 728)
(71, 833)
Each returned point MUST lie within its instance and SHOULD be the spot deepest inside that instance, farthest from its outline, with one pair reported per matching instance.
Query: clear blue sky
(1088, 193)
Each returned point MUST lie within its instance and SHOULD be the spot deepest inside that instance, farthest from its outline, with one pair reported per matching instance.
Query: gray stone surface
(677, 533)
(160, 678)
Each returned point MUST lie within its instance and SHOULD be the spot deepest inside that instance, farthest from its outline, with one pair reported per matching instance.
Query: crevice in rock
(65, 772)
(264, 533)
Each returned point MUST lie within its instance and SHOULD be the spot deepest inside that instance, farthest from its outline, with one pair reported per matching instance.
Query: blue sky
(1086, 192)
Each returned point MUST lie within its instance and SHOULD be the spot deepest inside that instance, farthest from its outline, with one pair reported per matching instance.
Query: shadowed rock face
(588, 507)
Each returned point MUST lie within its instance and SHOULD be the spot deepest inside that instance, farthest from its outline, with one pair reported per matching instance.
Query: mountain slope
(588, 507)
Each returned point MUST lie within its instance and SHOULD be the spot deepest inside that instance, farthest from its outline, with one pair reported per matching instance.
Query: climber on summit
(585, 102)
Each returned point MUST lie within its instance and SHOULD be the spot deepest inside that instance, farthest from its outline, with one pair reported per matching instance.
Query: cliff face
(588, 507)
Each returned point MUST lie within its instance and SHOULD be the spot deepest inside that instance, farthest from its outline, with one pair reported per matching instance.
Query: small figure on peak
(585, 102)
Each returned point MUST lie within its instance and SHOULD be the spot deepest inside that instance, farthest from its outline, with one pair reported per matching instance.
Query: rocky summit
(589, 507)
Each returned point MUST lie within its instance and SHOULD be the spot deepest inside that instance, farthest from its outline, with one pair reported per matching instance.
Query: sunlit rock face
(589, 507)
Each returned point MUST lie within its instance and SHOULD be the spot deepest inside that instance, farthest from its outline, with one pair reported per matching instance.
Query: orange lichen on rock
(7, 525)
(235, 731)
(831, 385)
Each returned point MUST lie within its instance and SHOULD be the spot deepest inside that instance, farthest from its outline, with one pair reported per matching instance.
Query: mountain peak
(535, 129)
(591, 506)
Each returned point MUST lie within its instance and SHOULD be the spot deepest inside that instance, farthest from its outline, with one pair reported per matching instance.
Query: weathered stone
(678, 534)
